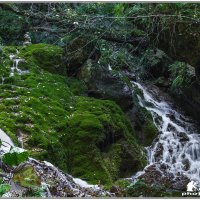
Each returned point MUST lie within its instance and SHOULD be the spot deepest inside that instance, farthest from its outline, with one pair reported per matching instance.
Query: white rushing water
(178, 144)
(15, 65)
(6, 142)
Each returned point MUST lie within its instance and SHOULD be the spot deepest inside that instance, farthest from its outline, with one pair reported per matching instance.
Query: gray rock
(155, 64)
(105, 85)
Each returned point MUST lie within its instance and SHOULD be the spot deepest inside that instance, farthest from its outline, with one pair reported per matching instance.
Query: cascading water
(14, 68)
(178, 144)
(6, 142)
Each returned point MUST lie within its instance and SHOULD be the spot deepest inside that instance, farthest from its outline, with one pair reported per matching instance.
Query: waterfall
(178, 144)
(6, 142)
(15, 65)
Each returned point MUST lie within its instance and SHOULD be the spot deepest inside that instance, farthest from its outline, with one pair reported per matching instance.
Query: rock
(159, 152)
(130, 75)
(26, 176)
(158, 175)
(116, 190)
(44, 179)
(48, 57)
(60, 184)
(180, 183)
(188, 96)
(155, 64)
(183, 137)
(142, 122)
(27, 40)
(85, 73)
(77, 52)
(153, 176)
(104, 85)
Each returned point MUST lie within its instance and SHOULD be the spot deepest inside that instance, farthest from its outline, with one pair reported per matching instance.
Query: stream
(178, 142)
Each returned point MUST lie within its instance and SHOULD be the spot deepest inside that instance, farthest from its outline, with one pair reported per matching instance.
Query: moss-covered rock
(142, 121)
(48, 57)
(27, 177)
(100, 142)
(141, 189)
(104, 84)
(89, 138)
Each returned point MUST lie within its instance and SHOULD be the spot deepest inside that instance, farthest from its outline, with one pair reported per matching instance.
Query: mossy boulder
(142, 121)
(37, 105)
(87, 137)
(141, 189)
(48, 57)
(101, 142)
(103, 84)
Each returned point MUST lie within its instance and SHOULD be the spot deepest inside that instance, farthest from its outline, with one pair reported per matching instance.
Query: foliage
(180, 76)
(101, 9)
(15, 156)
(11, 26)
(141, 189)
(116, 57)
(4, 188)
(34, 192)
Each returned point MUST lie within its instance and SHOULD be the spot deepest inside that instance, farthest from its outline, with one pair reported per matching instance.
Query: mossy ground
(81, 135)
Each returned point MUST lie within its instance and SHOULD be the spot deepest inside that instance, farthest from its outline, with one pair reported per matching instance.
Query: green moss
(150, 132)
(27, 177)
(36, 104)
(83, 136)
(14, 158)
(48, 57)
(145, 125)
(97, 130)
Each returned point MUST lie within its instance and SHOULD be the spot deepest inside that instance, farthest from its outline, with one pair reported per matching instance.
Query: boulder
(155, 64)
(48, 57)
(100, 142)
(189, 99)
(103, 84)
(153, 176)
(77, 52)
(188, 95)
(142, 122)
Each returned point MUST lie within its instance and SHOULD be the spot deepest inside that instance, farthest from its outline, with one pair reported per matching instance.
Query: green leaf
(15, 156)
(4, 188)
